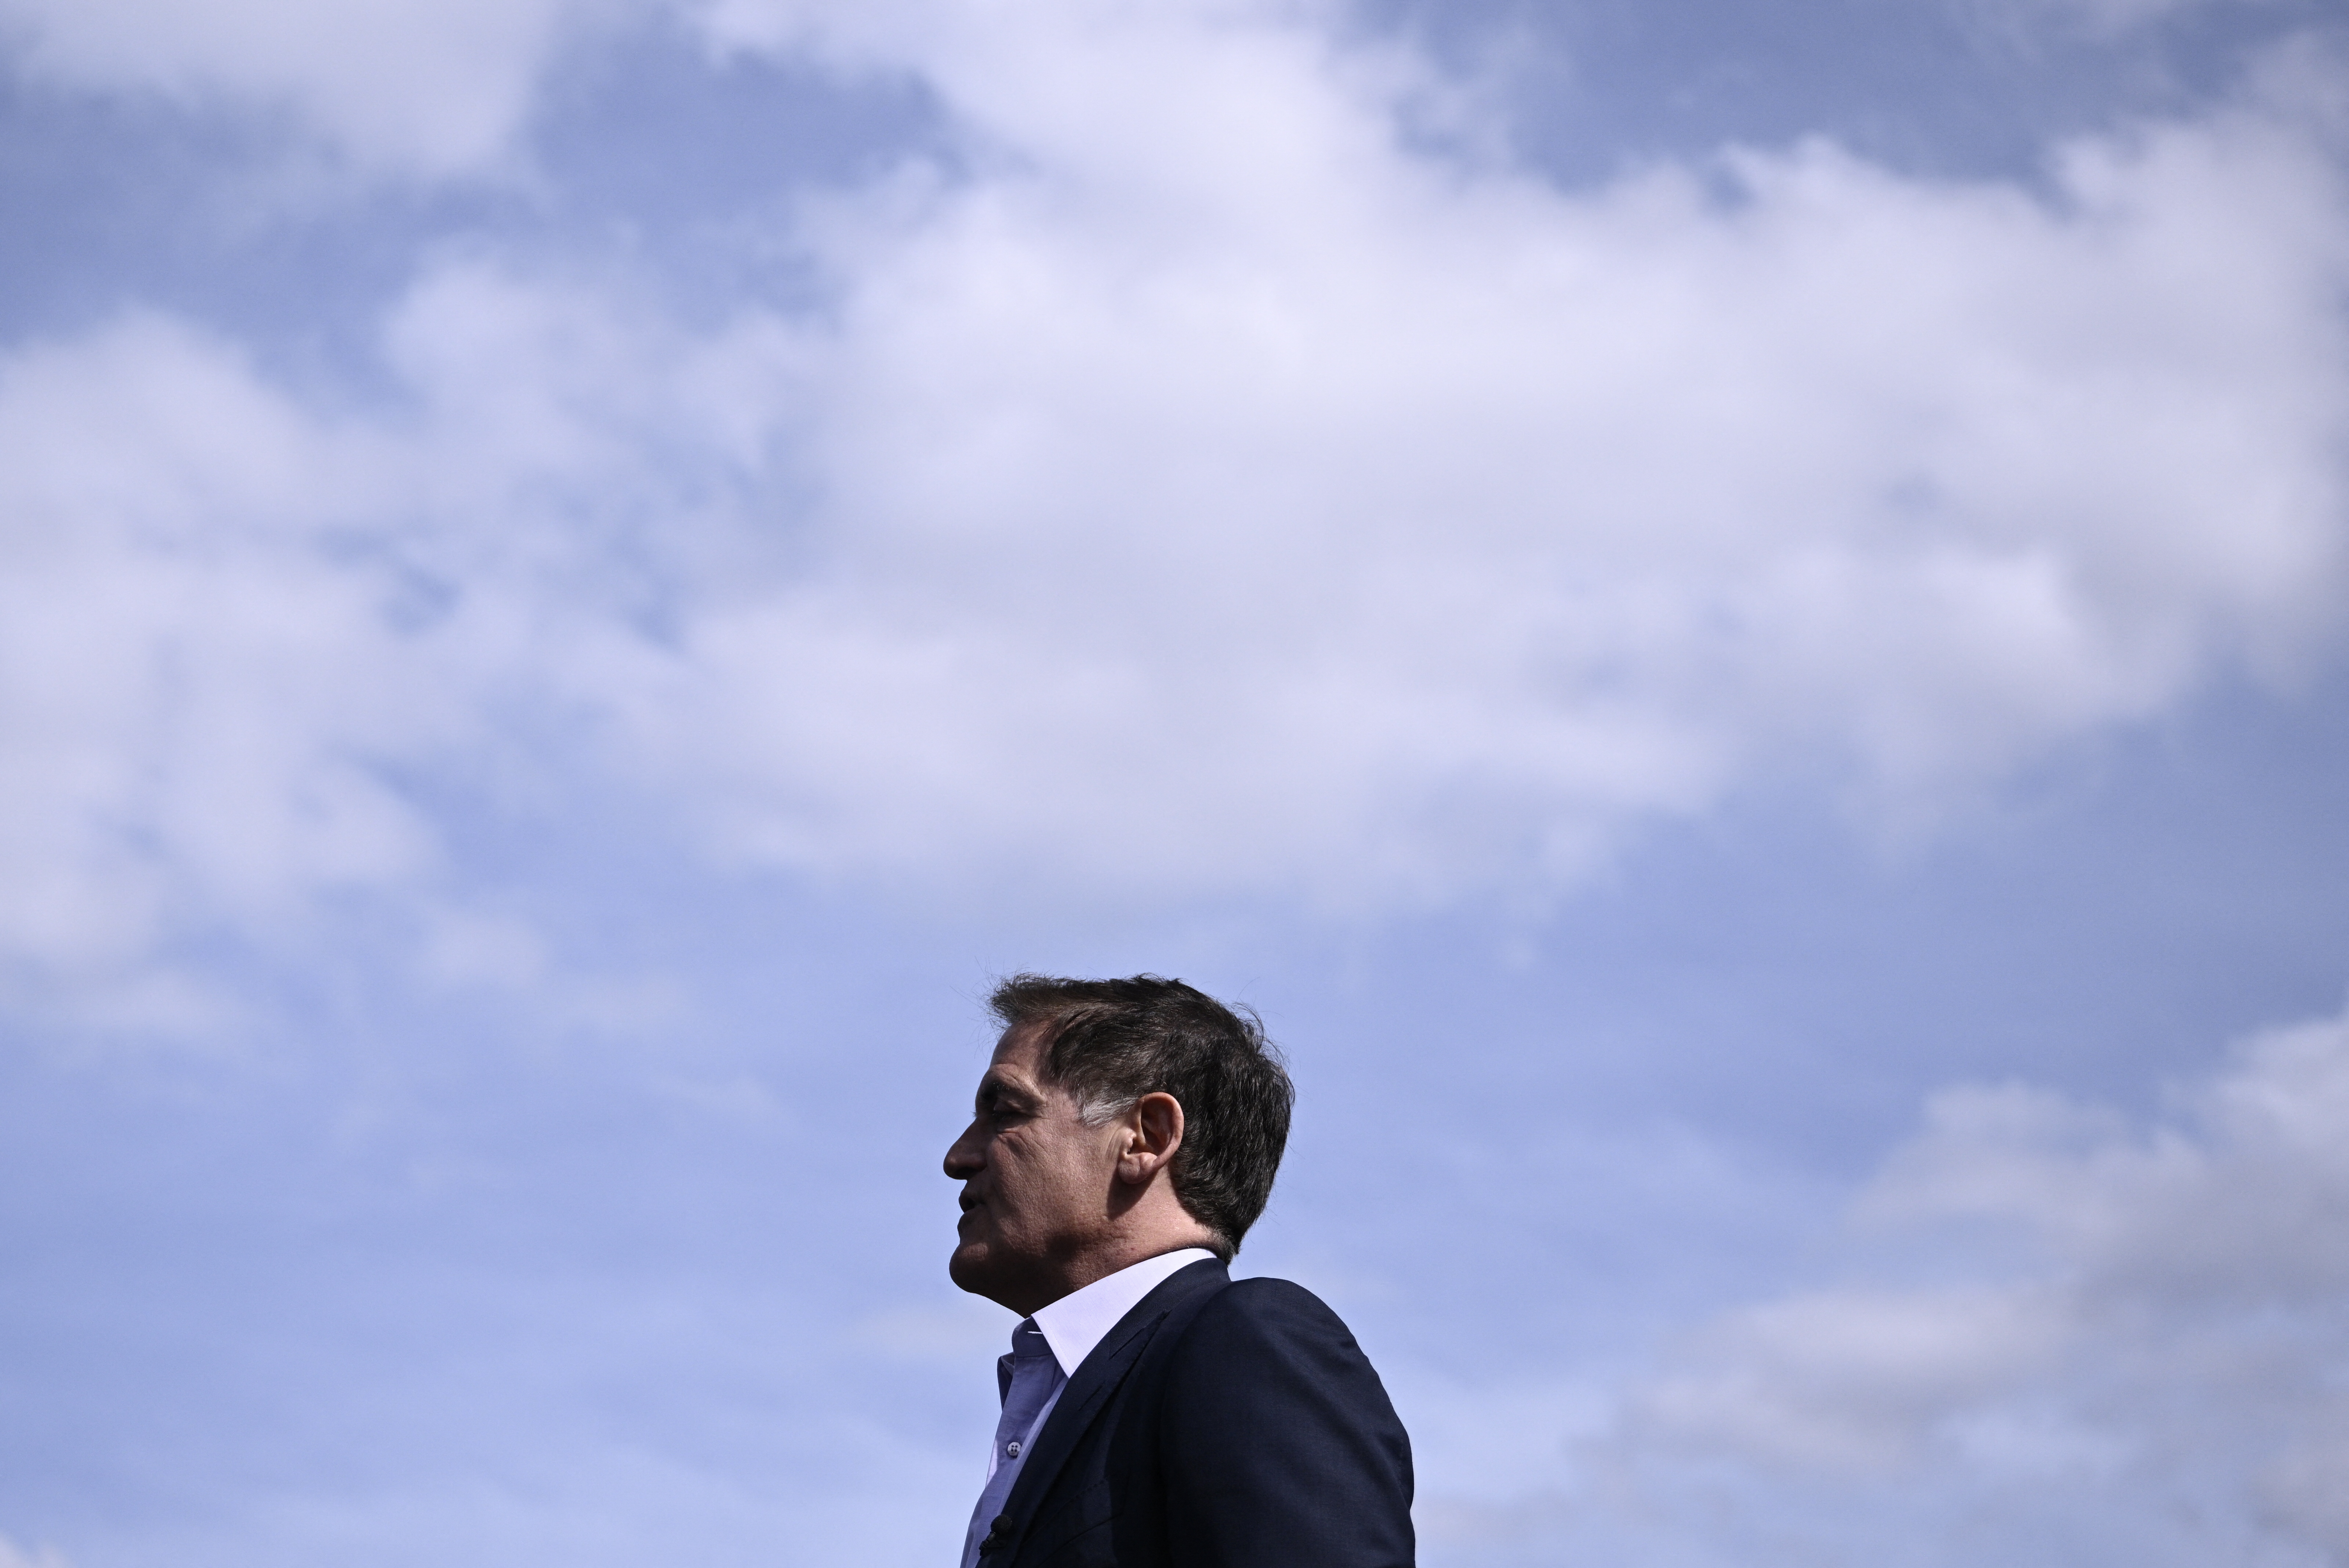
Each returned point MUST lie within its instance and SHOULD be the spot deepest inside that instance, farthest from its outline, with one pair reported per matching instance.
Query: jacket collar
(1084, 1318)
(1098, 1379)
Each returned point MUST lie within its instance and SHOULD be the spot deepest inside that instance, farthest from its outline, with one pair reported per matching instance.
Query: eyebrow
(1005, 1093)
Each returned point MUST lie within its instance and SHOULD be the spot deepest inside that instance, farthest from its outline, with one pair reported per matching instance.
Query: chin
(967, 1268)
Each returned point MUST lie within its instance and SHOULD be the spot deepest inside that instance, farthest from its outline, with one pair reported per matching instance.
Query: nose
(962, 1156)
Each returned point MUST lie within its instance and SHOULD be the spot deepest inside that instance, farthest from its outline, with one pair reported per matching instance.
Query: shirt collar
(1080, 1320)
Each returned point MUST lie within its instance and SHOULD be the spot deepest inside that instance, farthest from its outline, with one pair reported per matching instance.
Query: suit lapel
(1099, 1376)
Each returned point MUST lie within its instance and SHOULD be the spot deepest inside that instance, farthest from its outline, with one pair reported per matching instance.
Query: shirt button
(1011, 1448)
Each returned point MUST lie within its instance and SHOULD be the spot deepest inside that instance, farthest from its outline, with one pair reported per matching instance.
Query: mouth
(968, 1200)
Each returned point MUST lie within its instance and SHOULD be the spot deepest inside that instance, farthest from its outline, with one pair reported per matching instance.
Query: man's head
(1119, 1119)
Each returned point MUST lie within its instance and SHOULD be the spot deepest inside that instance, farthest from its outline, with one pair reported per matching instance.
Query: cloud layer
(1211, 487)
(2065, 1337)
(419, 90)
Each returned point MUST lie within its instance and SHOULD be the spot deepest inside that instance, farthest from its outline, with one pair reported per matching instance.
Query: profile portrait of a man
(1156, 1411)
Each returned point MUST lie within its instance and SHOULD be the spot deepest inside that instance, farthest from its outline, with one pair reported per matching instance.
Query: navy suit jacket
(1219, 1425)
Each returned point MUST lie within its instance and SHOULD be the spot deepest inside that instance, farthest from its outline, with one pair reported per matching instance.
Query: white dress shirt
(1081, 1319)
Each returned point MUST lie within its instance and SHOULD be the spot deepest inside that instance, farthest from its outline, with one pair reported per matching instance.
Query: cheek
(1043, 1186)
(1077, 1171)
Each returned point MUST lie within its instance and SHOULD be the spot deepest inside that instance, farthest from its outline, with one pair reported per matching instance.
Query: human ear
(1153, 1131)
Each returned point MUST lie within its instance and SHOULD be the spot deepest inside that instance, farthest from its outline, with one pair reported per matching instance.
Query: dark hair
(1110, 1041)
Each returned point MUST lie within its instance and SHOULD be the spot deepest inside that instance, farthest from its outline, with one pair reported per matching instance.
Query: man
(1157, 1414)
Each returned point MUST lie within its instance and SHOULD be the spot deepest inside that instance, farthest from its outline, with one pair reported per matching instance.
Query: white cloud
(193, 682)
(432, 87)
(1462, 519)
(15, 1556)
(1207, 496)
(239, 629)
(2077, 1326)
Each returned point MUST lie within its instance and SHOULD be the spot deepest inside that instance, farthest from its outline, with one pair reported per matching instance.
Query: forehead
(1023, 1044)
(1019, 1059)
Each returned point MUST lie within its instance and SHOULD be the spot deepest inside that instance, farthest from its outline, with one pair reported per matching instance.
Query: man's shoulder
(1274, 1441)
(1263, 1299)
(1259, 1317)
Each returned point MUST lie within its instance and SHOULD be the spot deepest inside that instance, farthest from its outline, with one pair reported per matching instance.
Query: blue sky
(1732, 621)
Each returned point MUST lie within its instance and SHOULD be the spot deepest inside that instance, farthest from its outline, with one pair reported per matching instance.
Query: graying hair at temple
(1111, 1042)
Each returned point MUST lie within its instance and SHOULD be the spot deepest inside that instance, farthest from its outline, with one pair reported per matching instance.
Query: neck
(1105, 1258)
